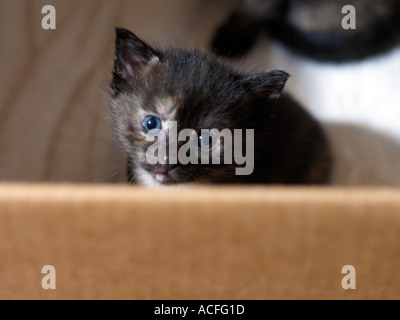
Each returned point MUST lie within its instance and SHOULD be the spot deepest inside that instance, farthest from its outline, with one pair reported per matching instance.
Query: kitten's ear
(131, 56)
(267, 84)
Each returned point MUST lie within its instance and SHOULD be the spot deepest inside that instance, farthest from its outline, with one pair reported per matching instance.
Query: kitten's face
(153, 90)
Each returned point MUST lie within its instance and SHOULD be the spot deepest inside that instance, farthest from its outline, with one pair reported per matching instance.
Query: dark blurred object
(236, 37)
(312, 28)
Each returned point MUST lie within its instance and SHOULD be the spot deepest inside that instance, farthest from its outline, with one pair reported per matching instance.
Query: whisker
(108, 179)
(114, 175)
(133, 179)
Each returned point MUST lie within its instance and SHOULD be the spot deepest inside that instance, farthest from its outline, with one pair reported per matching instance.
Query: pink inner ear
(128, 71)
(128, 68)
(131, 62)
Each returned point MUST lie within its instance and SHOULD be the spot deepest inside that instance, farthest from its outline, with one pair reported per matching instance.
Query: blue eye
(151, 123)
(203, 143)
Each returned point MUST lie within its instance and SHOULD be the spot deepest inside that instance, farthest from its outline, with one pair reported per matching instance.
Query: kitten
(313, 28)
(152, 87)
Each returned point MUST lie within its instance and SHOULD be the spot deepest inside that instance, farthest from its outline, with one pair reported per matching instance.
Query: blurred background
(53, 85)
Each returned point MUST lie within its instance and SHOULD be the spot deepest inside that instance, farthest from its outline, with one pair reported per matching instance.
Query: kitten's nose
(164, 168)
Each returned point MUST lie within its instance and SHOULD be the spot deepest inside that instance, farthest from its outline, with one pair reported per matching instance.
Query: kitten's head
(194, 89)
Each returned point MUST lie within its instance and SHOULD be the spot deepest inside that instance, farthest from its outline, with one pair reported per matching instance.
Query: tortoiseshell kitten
(198, 91)
(313, 28)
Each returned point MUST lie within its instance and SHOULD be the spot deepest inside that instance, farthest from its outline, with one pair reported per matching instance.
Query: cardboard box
(122, 242)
